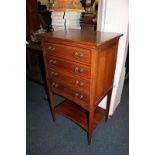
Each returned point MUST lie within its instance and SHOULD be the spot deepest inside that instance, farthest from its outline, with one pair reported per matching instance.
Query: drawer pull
(54, 74)
(55, 85)
(81, 70)
(76, 69)
(77, 55)
(77, 82)
(81, 55)
(81, 97)
(81, 84)
(51, 48)
(52, 61)
(76, 94)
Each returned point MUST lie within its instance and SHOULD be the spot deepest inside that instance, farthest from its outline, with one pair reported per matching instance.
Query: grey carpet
(43, 137)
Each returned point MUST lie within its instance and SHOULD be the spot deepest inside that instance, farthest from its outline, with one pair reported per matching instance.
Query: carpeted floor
(64, 137)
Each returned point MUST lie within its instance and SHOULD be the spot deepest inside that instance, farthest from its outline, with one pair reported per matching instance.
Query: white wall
(115, 19)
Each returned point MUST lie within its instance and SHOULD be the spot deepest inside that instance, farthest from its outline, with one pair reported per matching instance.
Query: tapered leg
(108, 104)
(89, 137)
(51, 101)
(90, 125)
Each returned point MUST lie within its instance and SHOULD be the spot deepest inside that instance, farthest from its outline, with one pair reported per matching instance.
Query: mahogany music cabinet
(79, 66)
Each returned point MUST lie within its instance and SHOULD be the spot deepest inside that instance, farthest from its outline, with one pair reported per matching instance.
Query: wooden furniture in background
(34, 18)
(89, 18)
(80, 66)
(32, 24)
(34, 72)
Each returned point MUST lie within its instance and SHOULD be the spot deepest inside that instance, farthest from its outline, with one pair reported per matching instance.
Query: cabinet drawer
(71, 94)
(75, 82)
(68, 67)
(67, 52)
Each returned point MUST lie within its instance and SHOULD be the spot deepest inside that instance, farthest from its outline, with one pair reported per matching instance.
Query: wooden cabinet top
(86, 37)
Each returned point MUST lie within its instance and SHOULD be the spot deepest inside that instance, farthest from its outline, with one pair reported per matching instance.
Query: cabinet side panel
(106, 68)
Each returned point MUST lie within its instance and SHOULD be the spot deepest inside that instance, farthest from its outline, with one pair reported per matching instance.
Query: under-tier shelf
(79, 115)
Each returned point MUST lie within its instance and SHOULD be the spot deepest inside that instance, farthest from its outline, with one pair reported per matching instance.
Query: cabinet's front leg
(51, 101)
(108, 104)
(90, 126)
(89, 137)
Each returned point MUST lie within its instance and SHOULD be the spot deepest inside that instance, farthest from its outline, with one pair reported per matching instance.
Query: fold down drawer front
(75, 82)
(76, 96)
(68, 67)
(68, 52)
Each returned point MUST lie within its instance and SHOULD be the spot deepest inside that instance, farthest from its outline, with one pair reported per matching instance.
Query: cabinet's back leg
(51, 102)
(108, 104)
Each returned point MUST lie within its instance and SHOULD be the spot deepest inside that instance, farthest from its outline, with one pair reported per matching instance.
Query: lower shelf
(78, 115)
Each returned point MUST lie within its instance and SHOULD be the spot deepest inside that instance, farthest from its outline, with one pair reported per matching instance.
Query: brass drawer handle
(79, 96)
(81, 55)
(77, 55)
(51, 48)
(77, 82)
(76, 69)
(55, 85)
(76, 94)
(54, 74)
(81, 70)
(52, 61)
(81, 84)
